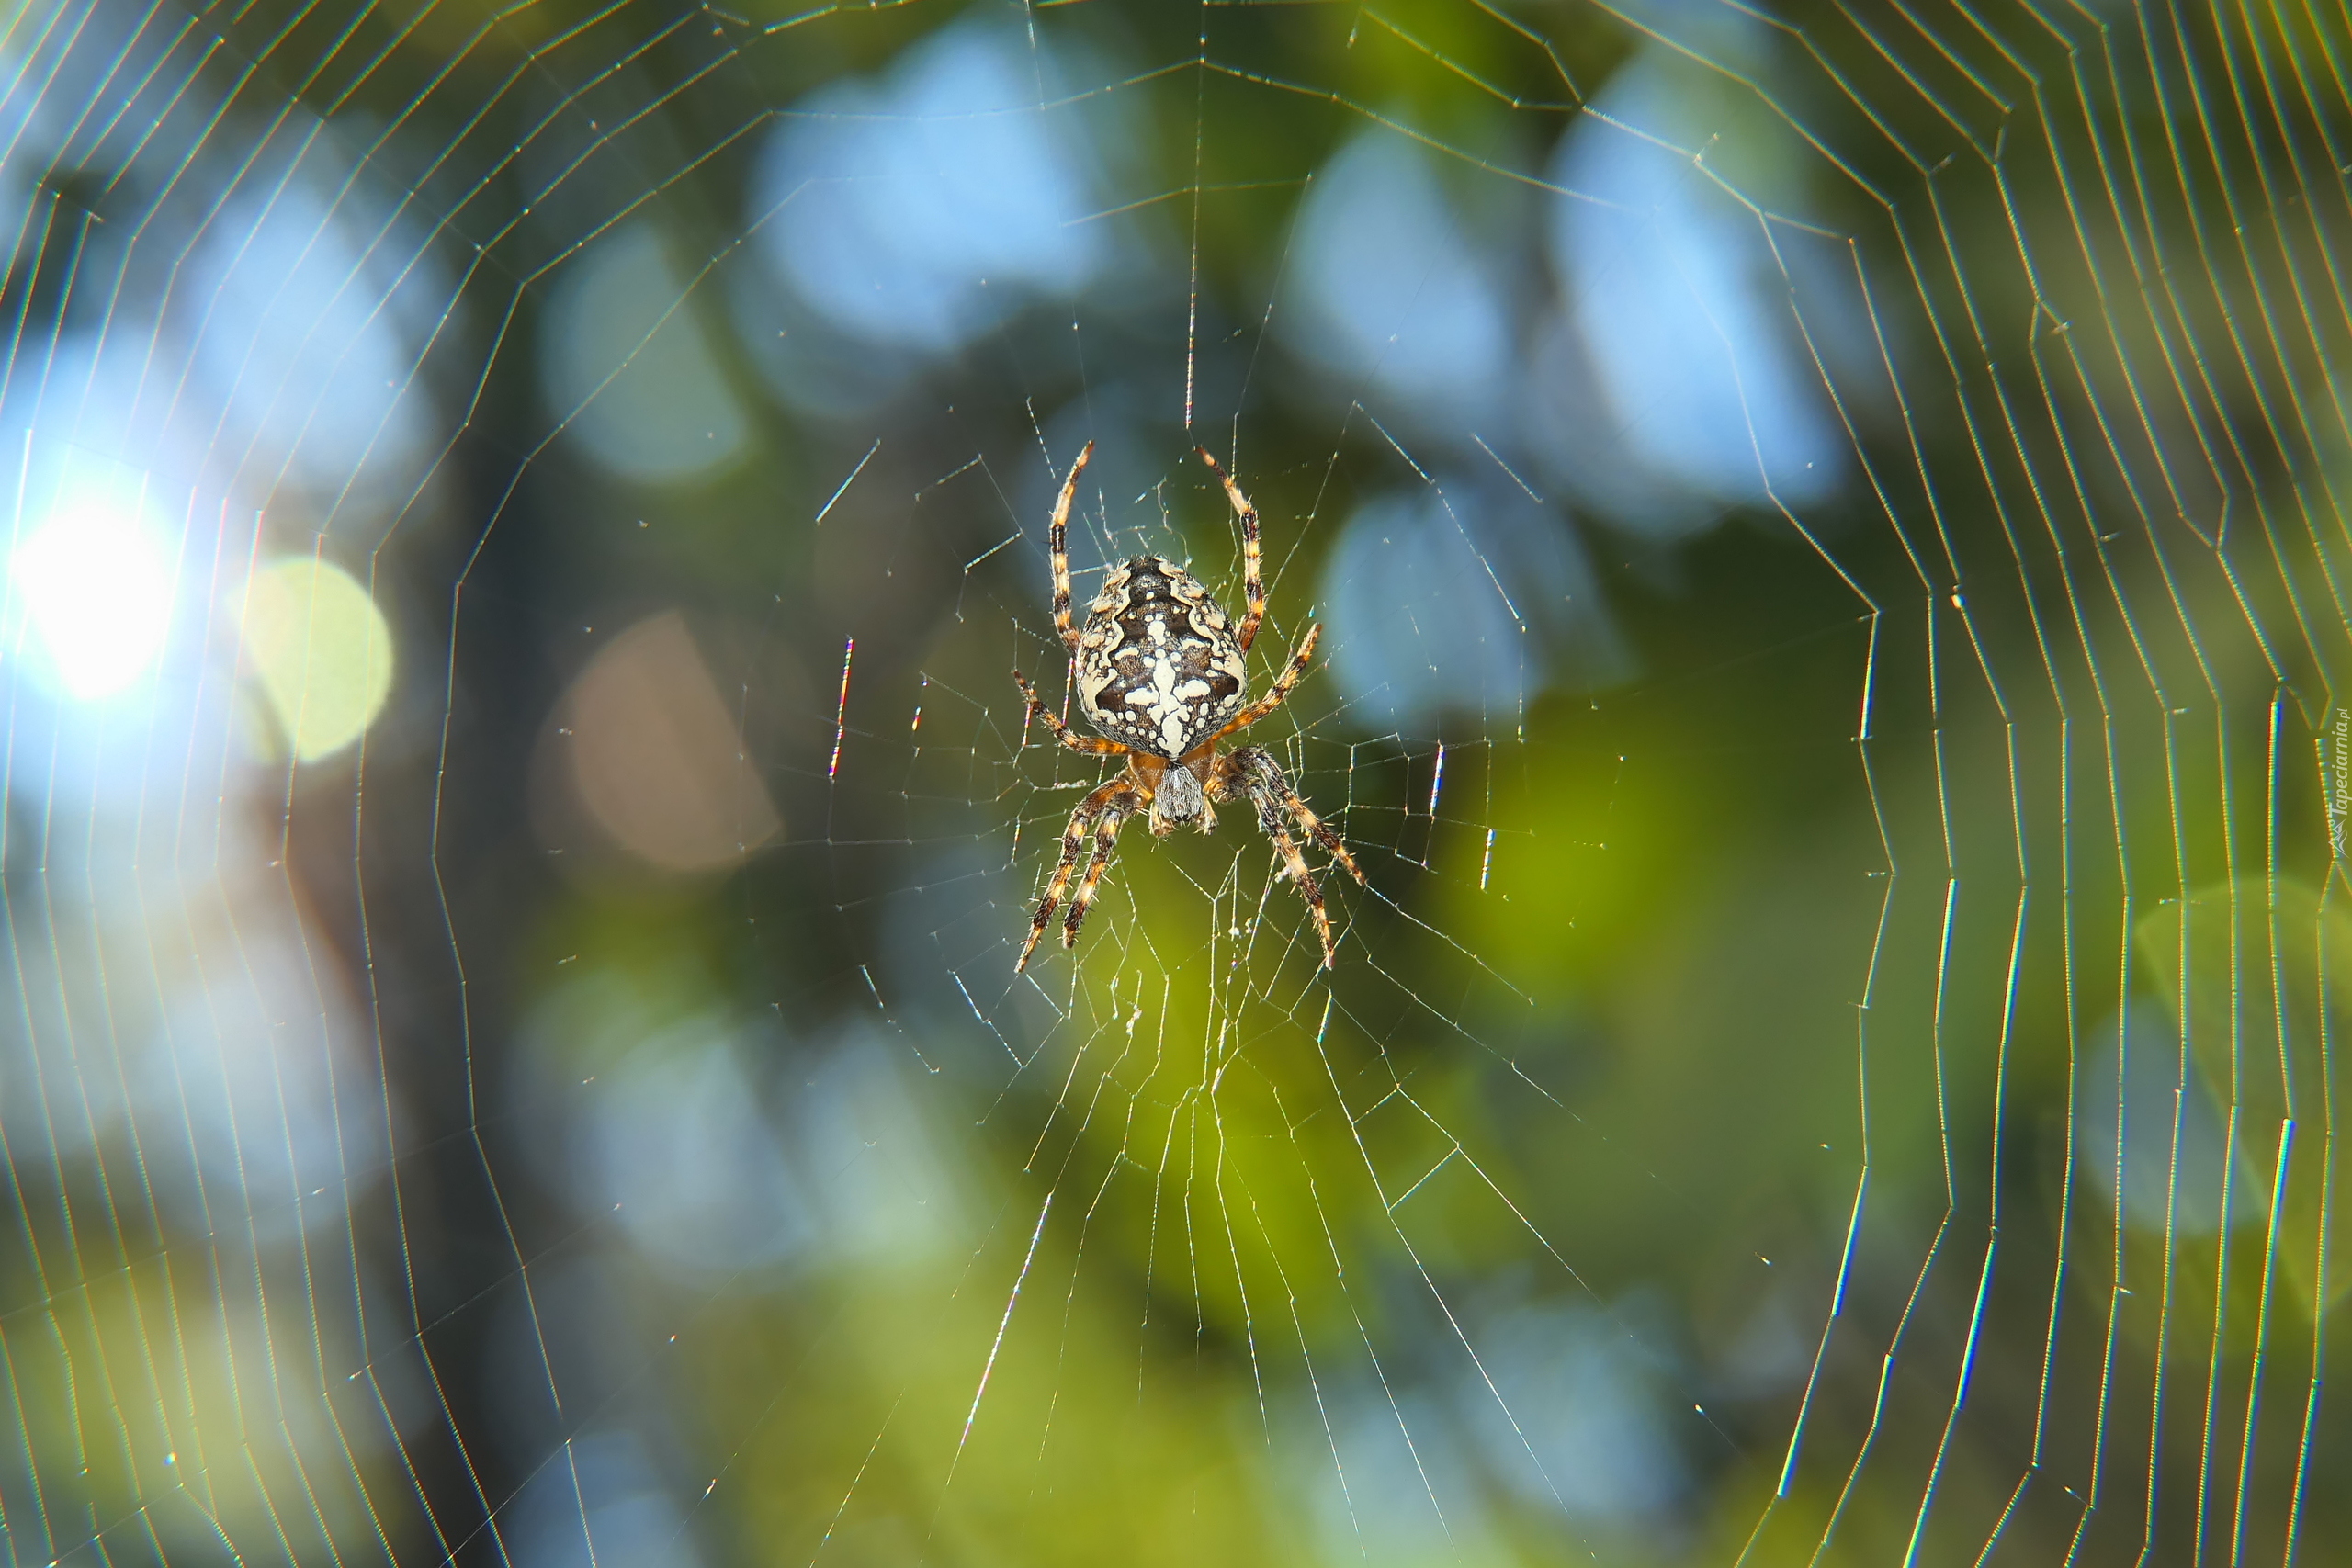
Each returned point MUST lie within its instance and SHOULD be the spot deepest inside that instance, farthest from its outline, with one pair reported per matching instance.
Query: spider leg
(1107, 833)
(1063, 732)
(1266, 775)
(1295, 867)
(1254, 583)
(1281, 689)
(1253, 775)
(1057, 546)
(1073, 841)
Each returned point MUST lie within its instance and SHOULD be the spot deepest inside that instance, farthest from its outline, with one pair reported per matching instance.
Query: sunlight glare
(97, 585)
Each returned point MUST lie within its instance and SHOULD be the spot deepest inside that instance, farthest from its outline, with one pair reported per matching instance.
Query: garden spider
(1158, 672)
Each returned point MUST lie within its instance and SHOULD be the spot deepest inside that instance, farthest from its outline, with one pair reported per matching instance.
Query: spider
(1159, 673)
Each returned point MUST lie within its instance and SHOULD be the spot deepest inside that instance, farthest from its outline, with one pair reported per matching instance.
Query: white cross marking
(1169, 703)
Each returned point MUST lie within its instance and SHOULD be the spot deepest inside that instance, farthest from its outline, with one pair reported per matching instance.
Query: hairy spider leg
(1260, 772)
(1107, 833)
(1057, 545)
(1073, 841)
(1251, 775)
(1063, 732)
(1253, 582)
(1294, 865)
(1280, 691)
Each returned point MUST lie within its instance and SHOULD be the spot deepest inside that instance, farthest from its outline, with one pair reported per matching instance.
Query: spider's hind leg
(1280, 691)
(1062, 732)
(1253, 576)
(1057, 546)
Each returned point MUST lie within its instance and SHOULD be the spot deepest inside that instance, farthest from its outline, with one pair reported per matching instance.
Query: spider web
(519, 821)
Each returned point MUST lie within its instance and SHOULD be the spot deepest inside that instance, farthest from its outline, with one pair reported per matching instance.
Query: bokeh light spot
(626, 363)
(321, 649)
(1463, 598)
(924, 202)
(657, 757)
(1696, 393)
(1391, 285)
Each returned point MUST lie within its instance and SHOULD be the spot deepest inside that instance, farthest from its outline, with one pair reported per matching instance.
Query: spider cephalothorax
(1158, 672)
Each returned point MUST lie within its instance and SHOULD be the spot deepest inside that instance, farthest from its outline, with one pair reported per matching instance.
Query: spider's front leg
(1252, 774)
(1107, 833)
(1268, 778)
(1295, 867)
(1117, 796)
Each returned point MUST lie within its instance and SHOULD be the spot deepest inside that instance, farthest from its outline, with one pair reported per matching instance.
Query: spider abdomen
(1159, 669)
